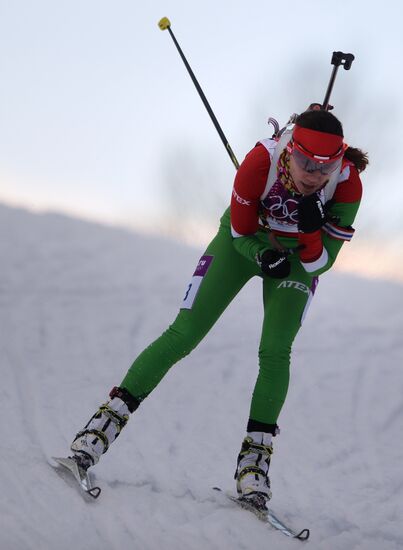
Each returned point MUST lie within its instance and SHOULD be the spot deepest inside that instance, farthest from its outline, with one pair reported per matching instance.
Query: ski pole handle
(338, 59)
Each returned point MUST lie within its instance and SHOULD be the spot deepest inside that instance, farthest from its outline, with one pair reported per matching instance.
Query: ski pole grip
(340, 58)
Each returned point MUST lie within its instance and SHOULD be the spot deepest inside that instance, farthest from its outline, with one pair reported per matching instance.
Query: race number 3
(194, 285)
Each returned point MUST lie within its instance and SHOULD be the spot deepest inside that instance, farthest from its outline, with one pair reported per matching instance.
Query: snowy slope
(78, 301)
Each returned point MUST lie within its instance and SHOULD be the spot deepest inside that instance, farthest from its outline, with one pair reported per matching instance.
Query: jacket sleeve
(249, 186)
(342, 210)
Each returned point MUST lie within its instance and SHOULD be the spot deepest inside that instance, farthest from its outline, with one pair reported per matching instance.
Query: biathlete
(293, 204)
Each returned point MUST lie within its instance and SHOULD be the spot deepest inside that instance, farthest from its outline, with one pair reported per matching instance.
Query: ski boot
(103, 428)
(252, 479)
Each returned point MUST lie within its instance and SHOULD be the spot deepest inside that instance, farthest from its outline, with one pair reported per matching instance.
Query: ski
(267, 516)
(84, 481)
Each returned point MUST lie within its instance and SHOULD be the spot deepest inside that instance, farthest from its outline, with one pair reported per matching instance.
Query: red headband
(319, 146)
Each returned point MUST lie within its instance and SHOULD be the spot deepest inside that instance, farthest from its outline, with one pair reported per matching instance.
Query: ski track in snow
(78, 301)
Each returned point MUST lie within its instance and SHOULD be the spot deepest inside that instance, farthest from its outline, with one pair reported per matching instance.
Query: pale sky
(98, 117)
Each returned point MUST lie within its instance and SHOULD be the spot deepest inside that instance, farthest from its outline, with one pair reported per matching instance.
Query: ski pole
(338, 58)
(165, 24)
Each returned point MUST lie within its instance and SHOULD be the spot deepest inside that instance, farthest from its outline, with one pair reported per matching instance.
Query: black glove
(274, 264)
(311, 214)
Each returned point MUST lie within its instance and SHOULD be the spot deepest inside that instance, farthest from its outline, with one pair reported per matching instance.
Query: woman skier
(293, 204)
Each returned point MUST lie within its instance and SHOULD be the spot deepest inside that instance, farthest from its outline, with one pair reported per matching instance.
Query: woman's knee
(274, 357)
(183, 336)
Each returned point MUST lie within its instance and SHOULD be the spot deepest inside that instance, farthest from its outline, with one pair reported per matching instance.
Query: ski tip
(83, 480)
(58, 459)
(62, 460)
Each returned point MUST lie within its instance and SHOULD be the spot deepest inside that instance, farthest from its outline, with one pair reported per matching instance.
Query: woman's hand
(311, 214)
(274, 263)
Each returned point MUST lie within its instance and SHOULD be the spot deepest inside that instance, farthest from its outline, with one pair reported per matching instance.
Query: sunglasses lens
(309, 165)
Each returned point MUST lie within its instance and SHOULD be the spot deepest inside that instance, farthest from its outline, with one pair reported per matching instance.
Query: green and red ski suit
(258, 209)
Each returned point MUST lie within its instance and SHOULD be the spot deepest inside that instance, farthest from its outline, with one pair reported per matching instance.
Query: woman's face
(306, 183)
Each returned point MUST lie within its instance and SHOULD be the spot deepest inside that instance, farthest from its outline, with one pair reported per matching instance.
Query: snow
(78, 301)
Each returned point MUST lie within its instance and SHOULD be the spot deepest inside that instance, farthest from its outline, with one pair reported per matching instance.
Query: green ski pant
(221, 274)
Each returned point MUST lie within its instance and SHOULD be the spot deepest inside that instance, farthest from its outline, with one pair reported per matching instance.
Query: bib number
(196, 281)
